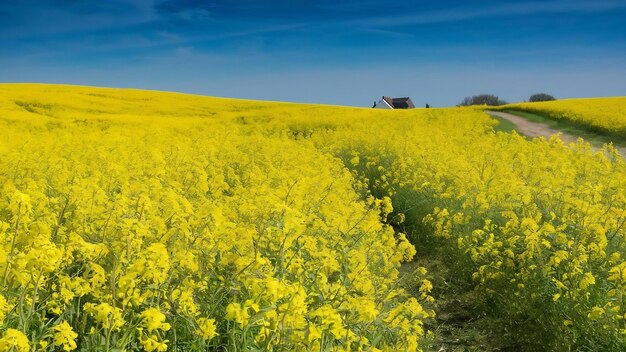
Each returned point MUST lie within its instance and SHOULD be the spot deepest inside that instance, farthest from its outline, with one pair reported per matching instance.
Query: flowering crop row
(537, 226)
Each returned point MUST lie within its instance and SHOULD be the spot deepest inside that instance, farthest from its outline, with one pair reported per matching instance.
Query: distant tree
(427, 106)
(483, 99)
(540, 97)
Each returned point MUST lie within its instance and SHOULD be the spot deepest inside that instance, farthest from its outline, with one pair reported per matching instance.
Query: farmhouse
(394, 103)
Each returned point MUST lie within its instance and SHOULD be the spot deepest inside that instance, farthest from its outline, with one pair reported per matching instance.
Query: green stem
(35, 291)
(10, 256)
(107, 342)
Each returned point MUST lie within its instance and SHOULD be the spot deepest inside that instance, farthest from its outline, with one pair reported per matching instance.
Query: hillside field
(603, 115)
(142, 220)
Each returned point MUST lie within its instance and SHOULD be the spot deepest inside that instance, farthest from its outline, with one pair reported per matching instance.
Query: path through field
(537, 129)
(532, 129)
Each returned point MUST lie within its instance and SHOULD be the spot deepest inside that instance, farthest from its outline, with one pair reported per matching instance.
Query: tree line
(494, 100)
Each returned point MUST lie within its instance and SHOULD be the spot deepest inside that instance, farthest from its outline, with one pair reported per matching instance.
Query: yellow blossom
(206, 328)
(153, 319)
(14, 340)
(65, 337)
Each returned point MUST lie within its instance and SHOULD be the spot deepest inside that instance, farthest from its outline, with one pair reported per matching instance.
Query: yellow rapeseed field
(141, 220)
(606, 115)
(137, 220)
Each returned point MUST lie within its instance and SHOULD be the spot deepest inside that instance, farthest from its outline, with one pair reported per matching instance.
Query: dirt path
(536, 129)
(532, 129)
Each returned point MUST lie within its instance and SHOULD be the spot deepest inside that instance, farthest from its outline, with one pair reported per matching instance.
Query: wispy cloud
(386, 32)
(496, 10)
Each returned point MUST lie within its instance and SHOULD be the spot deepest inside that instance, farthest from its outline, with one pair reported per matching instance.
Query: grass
(594, 137)
(504, 125)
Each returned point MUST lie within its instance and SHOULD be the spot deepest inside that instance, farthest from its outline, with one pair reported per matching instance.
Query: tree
(540, 97)
(483, 99)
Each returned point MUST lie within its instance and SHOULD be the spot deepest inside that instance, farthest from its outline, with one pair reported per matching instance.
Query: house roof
(399, 103)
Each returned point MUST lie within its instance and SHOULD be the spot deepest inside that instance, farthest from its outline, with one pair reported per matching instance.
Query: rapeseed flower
(14, 340)
(152, 319)
(206, 328)
(65, 336)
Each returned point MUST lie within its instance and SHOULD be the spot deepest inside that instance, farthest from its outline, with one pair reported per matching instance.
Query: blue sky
(346, 52)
